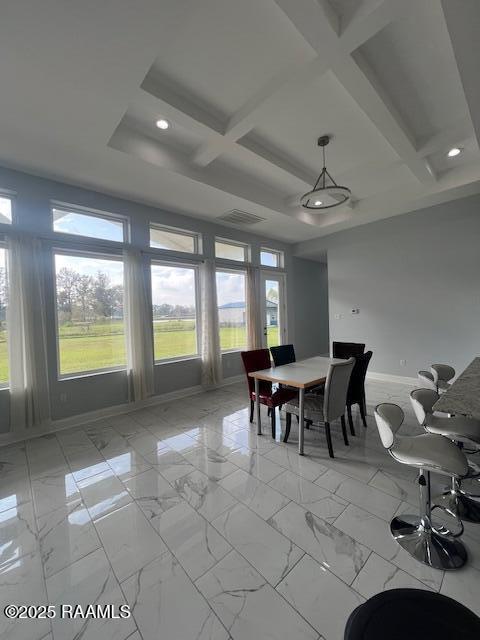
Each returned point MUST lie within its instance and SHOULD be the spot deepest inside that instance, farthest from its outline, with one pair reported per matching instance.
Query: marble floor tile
(66, 535)
(330, 546)
(127, 464)
(251, 440)
(193, 541)
(255, 464)
(288, 458)
(374, 533)
(51, 492)
(463, 585)
(376, 502)
(395, 486)
(169, 463)
(248, 605)
(257, 495)
(22, 582)
(18, 534)
(88, 581)
(210, 462)
(103, 493)
(87, 464)
(310, 496)
(206, 496)
(219, 442)
(14, 491)
(320, 597)
(378, 575)
(271, 553)
(165, 604)
(129, 540)
(143, 443)
(152, 493)
(181, 442)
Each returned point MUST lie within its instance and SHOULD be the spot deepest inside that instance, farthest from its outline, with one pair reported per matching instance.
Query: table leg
(301, 397)
(257, 406)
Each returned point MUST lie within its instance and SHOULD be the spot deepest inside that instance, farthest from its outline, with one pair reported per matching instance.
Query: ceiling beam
(312, 20)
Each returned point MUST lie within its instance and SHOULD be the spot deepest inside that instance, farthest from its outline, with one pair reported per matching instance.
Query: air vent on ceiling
(240, 217)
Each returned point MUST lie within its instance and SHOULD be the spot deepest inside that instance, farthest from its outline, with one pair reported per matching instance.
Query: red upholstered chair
(255, 361)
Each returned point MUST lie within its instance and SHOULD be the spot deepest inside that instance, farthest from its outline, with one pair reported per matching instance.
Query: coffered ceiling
(247, 87)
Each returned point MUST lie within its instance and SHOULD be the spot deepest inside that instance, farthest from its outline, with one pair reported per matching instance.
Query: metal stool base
(427, 546)
(461, 505)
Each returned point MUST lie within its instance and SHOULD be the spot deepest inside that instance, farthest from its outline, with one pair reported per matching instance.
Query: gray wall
(88, 393)
(309, 298)
(416, 280)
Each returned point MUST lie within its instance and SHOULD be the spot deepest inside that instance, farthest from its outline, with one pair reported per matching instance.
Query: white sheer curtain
(138, 328)
(211, 357)
(29, 393)
(254, 321)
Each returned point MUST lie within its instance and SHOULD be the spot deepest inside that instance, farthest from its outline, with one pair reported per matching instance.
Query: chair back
(255, 361)
(389, 418)
(336, 387)
(347, 350)
(442, 372)
(425, 378)
(283, 354)
(422, 402)
(356, 388)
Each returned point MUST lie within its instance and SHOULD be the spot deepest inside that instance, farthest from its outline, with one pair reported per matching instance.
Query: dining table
(463, 396)
(302, 375)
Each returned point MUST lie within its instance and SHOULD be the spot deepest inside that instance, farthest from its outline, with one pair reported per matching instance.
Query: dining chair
(356, 388)
(257, 360)
(283, 354)
(323, 409)
(347, 350)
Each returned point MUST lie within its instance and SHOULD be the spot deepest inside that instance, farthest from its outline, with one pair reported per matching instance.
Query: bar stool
(437, 548)
(462, 431)
(442, 374)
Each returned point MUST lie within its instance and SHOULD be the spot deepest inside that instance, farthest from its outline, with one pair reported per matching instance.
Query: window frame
(9, 195)
(196, 235)
(93, 213)
(233, 243)
(276, 252)
(82, 253)
(198, 328)
(5, 385)
(220, 268)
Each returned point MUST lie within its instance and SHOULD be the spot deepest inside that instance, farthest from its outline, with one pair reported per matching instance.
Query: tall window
(232, 310)
(271, 258)
(3, 318)
(90, 329)
(5, 210)
(174, 306)
(89, 224)
(174, 239)
(230, 250)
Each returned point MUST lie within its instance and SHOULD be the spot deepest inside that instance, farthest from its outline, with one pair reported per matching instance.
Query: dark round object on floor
(412, 614)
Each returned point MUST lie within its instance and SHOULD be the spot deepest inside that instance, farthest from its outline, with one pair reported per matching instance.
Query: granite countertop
(463, 397)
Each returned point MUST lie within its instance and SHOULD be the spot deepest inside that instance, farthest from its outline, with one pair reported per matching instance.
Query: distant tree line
(83, 298)
(173, 311)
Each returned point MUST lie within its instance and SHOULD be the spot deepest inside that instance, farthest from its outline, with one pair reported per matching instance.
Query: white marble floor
(207, 531)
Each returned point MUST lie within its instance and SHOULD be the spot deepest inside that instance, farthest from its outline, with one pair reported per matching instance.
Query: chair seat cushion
(458, 428)
(312, 407)
(276, 398)
(432, 453)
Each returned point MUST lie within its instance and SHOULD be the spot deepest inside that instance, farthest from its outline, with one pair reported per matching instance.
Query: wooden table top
(300, 374)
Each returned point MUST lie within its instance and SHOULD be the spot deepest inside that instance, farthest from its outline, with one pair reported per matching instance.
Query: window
(5, 210)
(89, 224)
(232, 310)
(231, 250)
(174, 239)
(174, 311)
(271, 258)
(90, 329)
(4, 374)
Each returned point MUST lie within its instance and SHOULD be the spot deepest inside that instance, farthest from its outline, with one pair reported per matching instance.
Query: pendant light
(326, 193)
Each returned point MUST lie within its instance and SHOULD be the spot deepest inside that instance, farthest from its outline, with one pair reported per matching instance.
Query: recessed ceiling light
(163, 124)
(455, 151)
(318, 203)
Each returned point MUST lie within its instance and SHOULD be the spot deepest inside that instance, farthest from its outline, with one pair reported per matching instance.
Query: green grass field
(102, 345)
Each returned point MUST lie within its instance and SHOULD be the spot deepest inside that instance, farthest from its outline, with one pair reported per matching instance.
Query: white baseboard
(107, 412)
(388, 377)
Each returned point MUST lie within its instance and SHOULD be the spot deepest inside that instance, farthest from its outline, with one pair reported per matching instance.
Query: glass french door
(272, 289)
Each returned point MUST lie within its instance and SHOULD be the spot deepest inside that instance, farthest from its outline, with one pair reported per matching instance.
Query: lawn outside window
(232, 309)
